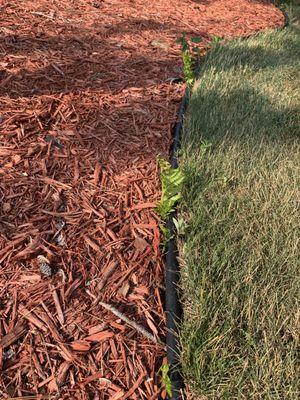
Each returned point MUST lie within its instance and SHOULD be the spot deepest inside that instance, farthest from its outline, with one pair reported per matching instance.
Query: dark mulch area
(85, 108)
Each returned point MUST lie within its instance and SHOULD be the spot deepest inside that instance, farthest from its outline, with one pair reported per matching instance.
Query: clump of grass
(240, 254)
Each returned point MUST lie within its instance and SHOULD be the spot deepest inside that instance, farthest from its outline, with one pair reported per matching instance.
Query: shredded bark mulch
(87, 103)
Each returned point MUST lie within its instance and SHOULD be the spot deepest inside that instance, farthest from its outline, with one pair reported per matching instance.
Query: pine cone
(45, 266)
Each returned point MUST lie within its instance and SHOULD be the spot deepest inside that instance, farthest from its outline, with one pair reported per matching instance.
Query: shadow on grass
(247, 108)
(239, 54)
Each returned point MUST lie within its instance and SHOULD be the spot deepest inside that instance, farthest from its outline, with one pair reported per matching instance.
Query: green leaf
(167, 236)
(216, 39)
(196, 39)
(184, 44)
(205, 146)
(165, 378)
(188, 71)
(171, 182)
(180, 226)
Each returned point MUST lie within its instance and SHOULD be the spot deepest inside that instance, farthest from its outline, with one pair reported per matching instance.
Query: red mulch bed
(85, 108)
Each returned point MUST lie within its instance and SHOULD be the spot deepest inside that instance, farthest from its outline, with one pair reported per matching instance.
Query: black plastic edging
(281, 8)
(173, 304)
(178, 129)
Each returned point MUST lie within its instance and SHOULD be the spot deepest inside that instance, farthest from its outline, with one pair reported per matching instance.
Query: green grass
(241, 200)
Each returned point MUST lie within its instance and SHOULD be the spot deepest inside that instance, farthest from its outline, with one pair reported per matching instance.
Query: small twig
(37, 397)
(128, 321)
(41, 14)
(60, 314)
(58, 70)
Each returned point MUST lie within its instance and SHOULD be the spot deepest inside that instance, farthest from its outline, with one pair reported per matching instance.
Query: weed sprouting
(180, 225)
(171, 181)
(165, 378)
(189, 55)
(215, 40)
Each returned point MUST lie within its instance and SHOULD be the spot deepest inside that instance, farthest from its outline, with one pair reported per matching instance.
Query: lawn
(240, 249)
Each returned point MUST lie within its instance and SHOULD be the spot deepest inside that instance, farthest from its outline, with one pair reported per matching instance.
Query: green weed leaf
(196, 39)
(171, 181)
(165, 378)
(205, 146)
(167, 236)
(188, 71)
(187, 58)
(216, 40)
(180, 226)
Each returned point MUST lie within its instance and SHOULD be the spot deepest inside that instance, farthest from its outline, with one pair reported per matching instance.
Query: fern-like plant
(188, 57)
(171, 182)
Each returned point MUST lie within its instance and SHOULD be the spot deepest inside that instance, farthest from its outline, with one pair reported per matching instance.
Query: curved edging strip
(286, 17)
(173, 304)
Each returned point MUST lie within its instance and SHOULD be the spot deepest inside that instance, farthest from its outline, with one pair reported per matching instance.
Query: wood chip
(10, 338)
(99, 337)
(32, 318)
(60, 314)
(81, 345)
